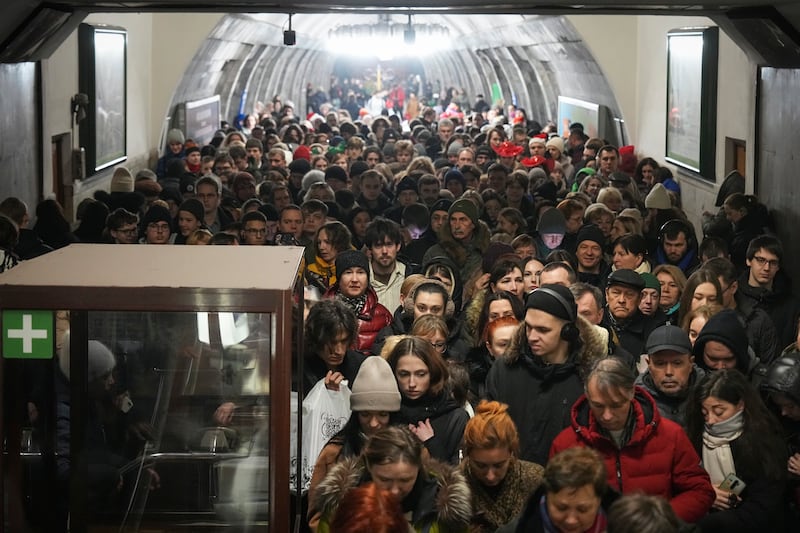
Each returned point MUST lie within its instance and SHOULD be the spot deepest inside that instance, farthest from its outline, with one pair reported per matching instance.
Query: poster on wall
(691, 99)
(102, 76)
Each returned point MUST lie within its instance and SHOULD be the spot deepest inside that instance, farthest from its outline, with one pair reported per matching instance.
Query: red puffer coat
(372, 318)
(658, 459)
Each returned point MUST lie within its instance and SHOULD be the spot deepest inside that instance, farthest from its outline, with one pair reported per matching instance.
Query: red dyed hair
(491, 327)
(368, 509)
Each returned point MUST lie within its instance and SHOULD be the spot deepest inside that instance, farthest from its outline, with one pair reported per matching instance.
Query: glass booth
(147, 388)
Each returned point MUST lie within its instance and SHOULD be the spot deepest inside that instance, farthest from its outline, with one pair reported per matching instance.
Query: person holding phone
(739, 441)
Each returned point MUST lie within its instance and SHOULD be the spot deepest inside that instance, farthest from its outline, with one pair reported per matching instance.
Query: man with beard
(383, 239)
(463, 238)
(671, 373)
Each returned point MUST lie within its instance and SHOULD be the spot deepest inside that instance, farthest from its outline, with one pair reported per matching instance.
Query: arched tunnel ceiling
(528, 59)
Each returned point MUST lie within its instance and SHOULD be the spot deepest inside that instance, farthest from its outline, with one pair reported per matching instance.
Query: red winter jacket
(658, 459)
(372, 318)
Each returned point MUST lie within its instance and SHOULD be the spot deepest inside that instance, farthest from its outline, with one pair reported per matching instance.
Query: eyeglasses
(763, 261)
(158, 227)
(439, 346)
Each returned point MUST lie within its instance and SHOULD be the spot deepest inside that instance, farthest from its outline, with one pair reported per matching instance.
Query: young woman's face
(360, 223)
(490, 466)
(695, 327)
(647, 174)
(396, 478)
(593, 187)
(372, 421)
(716, 410)
(492, 208)
(704, 294)
(530, 278)
(511, 282)
(413, 377)
(506, 226)
(187, 223)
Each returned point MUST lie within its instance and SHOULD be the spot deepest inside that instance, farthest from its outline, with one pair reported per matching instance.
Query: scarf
(599, 525)
(717, 455)
(355, 303)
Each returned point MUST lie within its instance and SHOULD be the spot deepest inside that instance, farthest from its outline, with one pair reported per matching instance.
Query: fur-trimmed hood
(457, 251)
(443, 494)
(591, 348)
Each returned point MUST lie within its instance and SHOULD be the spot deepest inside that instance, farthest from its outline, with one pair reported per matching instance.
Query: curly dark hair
(327, 320)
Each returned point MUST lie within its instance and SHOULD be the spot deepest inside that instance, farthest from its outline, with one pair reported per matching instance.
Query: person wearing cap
(671, 373)
(589, 244)
(353, 287)
(336, 177)
(540, 376)
(455, 182)
(651, 295)
(189, 219)
(416, 249)
(550, 231)
(463, 238)
(642, 451)
(405, 195)
(628, 326)
(374, 397)
(157, 226)
(722, 343)
(538, 145)
(172, 150)
(555, 149)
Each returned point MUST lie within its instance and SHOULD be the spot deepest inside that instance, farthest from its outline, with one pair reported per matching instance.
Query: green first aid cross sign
(28, 334)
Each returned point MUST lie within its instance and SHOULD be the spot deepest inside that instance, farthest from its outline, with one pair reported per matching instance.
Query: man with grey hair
(642, 451)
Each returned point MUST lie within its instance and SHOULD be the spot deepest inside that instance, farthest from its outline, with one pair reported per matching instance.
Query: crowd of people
(536, 336)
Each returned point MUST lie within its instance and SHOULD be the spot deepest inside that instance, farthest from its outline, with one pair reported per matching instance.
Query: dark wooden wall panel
(778, 157)
(20, 142)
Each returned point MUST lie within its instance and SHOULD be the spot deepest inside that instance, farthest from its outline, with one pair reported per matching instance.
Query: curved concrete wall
(533, 61)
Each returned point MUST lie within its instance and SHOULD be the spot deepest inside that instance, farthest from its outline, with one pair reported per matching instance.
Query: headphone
(674, 226)
(569, 331)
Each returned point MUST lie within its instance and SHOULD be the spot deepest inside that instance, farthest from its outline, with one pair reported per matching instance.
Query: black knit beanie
(545, 301)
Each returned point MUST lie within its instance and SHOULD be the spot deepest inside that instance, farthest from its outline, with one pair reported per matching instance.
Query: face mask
(727, 427)
(552, 240)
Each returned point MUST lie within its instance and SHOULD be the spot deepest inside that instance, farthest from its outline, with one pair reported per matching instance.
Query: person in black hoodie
(427, 405)
(541, 374)
(749, 218)
(722, 344)
(763, 284)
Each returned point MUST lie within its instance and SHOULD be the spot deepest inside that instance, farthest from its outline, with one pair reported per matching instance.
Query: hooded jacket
(372, 318)
(439, 502)
(539, 396)
(658, 458)
(725, 328)
(468, 256)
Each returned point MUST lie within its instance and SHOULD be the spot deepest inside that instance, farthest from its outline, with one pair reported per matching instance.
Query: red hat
(539, 138)
(302, 152)
(508, 149)
(626, 150)
(533, 161)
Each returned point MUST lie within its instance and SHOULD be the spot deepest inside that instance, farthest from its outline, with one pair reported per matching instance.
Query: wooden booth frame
(691, 103)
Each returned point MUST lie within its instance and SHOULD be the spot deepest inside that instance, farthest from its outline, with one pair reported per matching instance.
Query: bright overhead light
(387, 38)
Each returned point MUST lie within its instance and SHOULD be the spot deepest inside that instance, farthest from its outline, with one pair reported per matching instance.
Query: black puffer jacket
(448, 420)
